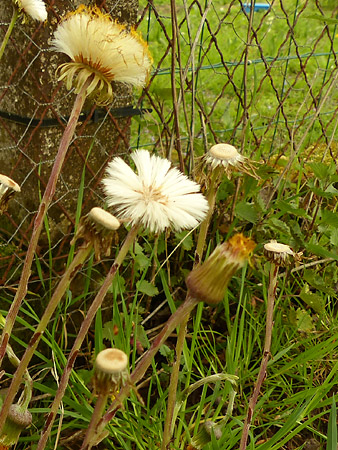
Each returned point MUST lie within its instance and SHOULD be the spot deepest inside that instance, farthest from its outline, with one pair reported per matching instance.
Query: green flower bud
(17, 420)
(208, 282)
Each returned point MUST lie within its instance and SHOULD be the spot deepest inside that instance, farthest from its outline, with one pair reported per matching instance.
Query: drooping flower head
(34, 8)
(8, 187)
(157, 196)
(98, 227)
(279, 254)
(208, 282)
(228, 158)
(101, 50)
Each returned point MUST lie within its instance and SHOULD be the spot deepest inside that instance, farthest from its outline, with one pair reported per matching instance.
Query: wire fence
(260, 76)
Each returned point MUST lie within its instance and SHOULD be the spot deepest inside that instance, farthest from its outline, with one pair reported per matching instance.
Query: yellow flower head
(102, 51)
(209, 281)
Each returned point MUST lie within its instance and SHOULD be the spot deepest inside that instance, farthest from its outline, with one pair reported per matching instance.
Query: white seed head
(278, 248)
(224, 152)
(111, 361)
(34, 8)
(157, 196)
(104, 218)
(101, 50)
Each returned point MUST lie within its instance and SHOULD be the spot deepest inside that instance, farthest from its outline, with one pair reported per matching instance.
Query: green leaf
(147, 288)
(320, 251)
(334, 237)
(317, 282)
(301, 319)
(332, 427)
(304, 321)
(166, 351)
(315, 301)
(329, 218)
(320, 170)
(288, 207)
(246, 211)
(185, 240)
(279, 225)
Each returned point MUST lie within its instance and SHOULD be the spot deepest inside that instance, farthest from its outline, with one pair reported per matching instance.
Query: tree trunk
(29, 89)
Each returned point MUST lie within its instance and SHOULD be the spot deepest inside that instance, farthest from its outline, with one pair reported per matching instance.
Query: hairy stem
(266, 354)
(169, 424)
(211, 197)
(96, 416)
(97, 302)
(39, 219)
(174, 321)
(69, 274)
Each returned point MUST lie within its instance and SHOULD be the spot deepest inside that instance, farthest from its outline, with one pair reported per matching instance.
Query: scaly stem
(169, 424)
(70, 273)
(266, 354)
(96, 416)
(9, 31)
(38, 222)
(97, 302)
(174, 321)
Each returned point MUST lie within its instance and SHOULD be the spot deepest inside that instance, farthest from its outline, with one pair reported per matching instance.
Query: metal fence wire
(261, 76)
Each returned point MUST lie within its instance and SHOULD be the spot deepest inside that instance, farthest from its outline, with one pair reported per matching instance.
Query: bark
(28, 88)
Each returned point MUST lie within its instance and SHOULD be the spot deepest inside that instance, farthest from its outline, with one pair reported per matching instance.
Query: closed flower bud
(110, 370)
(98, 226)
(8, 188)
(279, 254)
(209, 281)
(229, 159)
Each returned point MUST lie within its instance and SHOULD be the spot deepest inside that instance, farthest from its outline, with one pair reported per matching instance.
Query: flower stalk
(97, 302)
(39, 219)
(226, 258)
(174, 321)
(69, 274)
(266, 354)
(110, 372)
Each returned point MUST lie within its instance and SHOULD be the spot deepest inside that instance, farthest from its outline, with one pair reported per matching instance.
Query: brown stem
(72, 270)
(175, 320)
(38, 222)
(266, 354)
(97, 302)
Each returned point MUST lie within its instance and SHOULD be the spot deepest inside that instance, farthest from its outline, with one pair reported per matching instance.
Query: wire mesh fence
(262, 77)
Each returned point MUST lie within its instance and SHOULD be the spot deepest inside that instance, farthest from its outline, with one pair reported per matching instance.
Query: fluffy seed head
(209, 281)
(34, 8)
(101, 50)
(157, 196)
